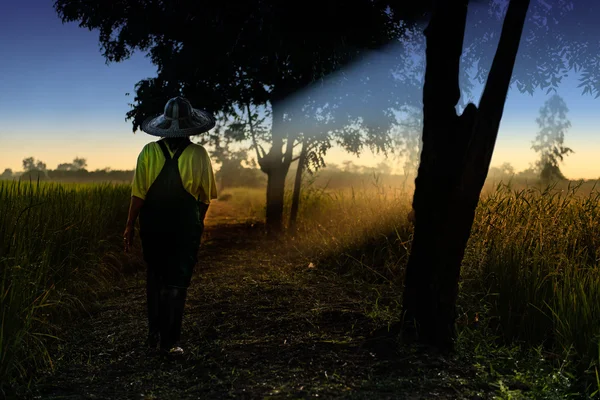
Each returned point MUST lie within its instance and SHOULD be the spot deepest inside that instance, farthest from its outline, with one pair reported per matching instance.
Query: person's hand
(128, 237)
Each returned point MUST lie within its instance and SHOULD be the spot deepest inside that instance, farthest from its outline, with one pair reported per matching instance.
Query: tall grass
(536, 255)
(531, 271)
(362, 230)
(57, 244)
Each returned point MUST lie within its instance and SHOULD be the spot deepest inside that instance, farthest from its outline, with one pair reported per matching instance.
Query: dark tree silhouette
(549, 141)
(260, 53)
(31, 164)
(77, 165)
(457, 150)
(7, 174)
(455, 160)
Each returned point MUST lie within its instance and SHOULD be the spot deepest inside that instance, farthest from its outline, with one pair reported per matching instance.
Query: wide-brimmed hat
(179, 119)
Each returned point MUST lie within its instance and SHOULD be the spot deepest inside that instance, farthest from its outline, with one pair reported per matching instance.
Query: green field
(530, 288)
(57, 250)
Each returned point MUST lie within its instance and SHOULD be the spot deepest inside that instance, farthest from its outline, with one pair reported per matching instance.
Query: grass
(529, 307)
(57, 249)
(247, 203)
(530, 276)
(363, 231)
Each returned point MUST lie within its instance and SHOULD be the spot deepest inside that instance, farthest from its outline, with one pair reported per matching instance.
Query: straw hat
(179, 119)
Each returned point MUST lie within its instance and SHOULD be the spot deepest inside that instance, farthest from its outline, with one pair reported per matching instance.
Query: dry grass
(531, 271)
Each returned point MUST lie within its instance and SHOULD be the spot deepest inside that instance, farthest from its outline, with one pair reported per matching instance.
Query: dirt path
(255, 327)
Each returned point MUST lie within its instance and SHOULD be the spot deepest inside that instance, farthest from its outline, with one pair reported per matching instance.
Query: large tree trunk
(276, 164)
(298, 185)
(454, 164)
(275, 199)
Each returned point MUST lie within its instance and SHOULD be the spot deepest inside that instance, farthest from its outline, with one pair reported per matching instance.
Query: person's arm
(138, 194)
(134, 211)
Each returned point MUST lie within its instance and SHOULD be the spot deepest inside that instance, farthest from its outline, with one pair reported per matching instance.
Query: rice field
(531, 274)
(57, 249)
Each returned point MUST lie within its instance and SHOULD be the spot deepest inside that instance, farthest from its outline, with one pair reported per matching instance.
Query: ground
(257, 325)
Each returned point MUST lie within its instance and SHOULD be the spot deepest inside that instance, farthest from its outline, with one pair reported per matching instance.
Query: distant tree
(503, 172)
(383, 168)
(28, 164)
(235, 167)
(531, 174)
(64, 167)
(77, 165)
(31, 164)
(408, 139)
(507, 169)
(349, 166)
(549, 142)
(334, 168)
(7, 174)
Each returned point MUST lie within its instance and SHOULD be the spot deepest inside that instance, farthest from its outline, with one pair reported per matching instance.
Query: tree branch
(253, 134)
(493, 99)
(289, 150)
(264, 153)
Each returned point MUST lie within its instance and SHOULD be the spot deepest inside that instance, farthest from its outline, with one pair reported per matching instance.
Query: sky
(59, 100)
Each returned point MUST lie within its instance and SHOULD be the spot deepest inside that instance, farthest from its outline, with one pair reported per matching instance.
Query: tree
(384, 168)
(457, 149)
(28, 164)
(7, 174)
(77, 165)
(232, 172)
(353, 110)
(31, 164)
(549, 142)
(507, 169)
(349, 166)
(408, 139)
(455, 160)
(269, 51)
(504, 170)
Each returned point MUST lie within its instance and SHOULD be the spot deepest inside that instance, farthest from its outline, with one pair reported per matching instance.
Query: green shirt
(194, 167)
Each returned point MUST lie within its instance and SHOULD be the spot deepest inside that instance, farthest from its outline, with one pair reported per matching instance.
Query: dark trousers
(165, 309)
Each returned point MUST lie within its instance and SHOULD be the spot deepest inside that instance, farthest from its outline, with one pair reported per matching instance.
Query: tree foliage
(258, 53)
(560, 38)
(549, 141)
(253, 46)
(407, 137)
(31, 164)
(77, 164)
(235, 168)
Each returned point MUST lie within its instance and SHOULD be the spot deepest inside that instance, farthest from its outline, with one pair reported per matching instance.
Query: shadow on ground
(256, 326)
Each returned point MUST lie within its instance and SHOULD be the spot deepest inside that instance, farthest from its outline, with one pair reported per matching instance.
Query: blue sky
(58, 100)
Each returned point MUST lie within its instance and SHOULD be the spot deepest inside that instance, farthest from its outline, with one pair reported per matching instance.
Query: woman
(172, 187)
